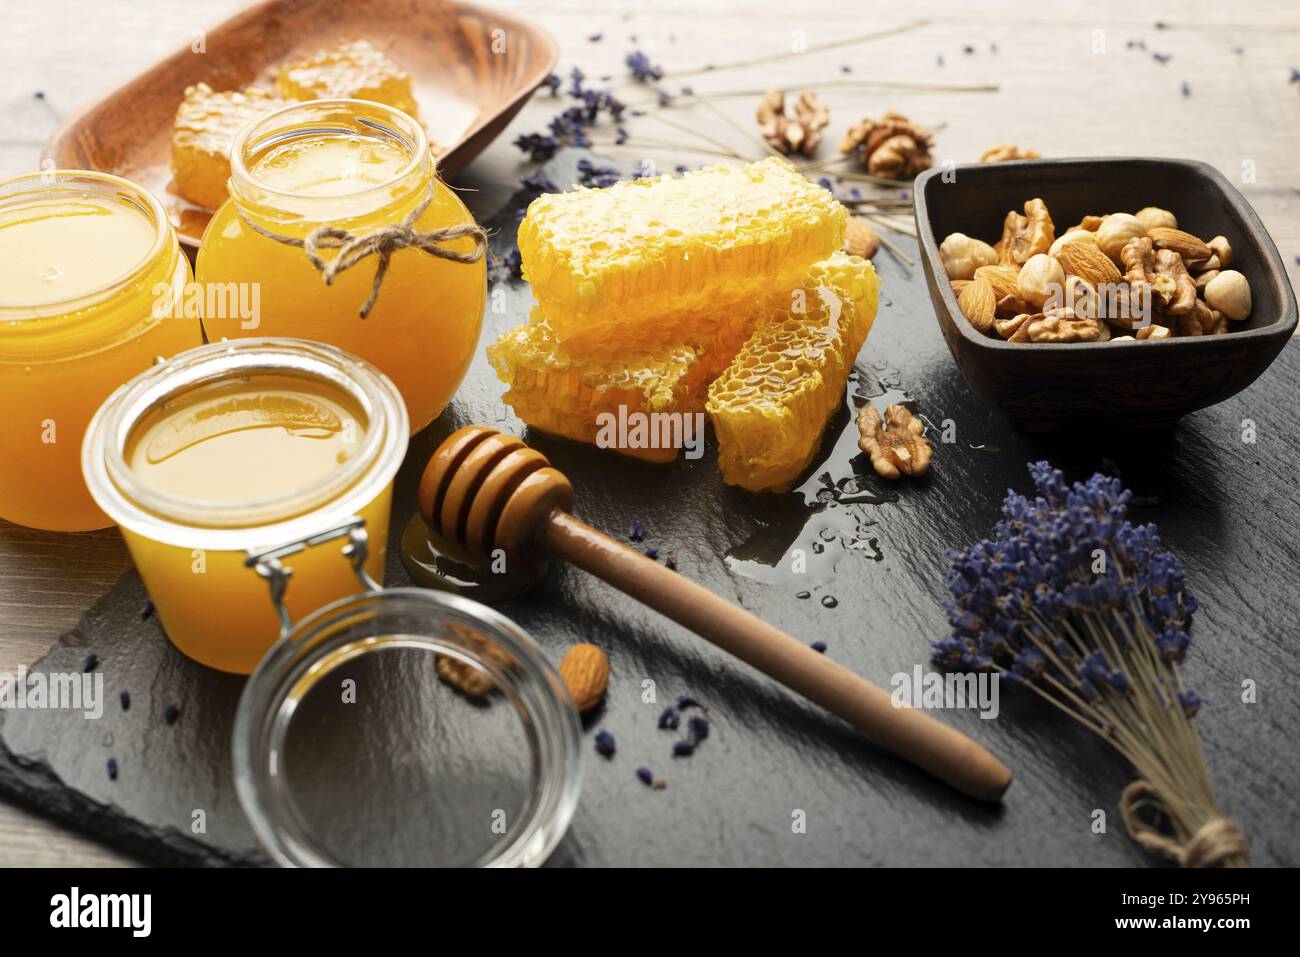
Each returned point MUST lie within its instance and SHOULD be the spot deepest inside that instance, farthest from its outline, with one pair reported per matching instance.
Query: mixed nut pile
(1112, 278)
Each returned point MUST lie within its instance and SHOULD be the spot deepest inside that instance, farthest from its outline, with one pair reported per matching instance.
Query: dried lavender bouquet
(1089, 611)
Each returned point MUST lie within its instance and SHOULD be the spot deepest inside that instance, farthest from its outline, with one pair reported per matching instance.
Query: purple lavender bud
(683, 749)
(698, 728)
(669, 719)
(646, 777)
(605, 744)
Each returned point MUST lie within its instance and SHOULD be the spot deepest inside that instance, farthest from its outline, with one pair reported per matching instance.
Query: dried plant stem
(696, 133)
(749, 134)
(892, 247)
(769, 58)
(1146, 723)
(892, 224)
(654, 144)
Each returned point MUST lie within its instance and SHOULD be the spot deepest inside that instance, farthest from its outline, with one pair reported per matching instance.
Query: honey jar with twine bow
(338, 230)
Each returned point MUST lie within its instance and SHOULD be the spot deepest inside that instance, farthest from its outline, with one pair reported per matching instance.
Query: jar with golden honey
(399, 276)
(90, 273)
(238, 447)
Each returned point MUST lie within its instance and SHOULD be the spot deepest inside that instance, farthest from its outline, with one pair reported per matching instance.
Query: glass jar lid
(403, 727)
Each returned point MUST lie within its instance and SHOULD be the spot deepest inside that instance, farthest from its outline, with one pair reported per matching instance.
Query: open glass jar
(90, 272)
(402, 727)
(329, 175)
(238, 446)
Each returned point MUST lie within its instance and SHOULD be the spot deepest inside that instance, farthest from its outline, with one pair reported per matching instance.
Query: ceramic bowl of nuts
(1112, 292)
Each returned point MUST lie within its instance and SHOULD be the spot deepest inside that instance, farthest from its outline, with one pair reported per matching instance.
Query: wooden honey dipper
(483, 490)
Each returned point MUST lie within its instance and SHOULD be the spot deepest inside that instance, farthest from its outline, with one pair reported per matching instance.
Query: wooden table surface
(1072, 81)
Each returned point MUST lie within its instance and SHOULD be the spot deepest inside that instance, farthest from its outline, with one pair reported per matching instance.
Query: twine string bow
(353, 248)
(1217, 841)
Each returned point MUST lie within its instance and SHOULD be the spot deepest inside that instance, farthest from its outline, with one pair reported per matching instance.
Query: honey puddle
(812, 530)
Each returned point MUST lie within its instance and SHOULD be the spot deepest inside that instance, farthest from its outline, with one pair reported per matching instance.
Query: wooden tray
(466, 92)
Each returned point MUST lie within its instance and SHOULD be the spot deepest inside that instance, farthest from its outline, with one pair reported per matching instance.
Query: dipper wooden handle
(484, 490)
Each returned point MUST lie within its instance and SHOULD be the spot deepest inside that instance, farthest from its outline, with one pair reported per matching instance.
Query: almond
(585, 672)
(977, 302)
(1185, 244)
(1003, 279)
(860, 239)
(1085, 260)
(467, 678)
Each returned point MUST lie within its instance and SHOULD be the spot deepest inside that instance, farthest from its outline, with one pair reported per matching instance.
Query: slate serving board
(1227, 507)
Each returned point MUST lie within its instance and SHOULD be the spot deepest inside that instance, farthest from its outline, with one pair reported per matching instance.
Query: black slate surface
(1226, 506)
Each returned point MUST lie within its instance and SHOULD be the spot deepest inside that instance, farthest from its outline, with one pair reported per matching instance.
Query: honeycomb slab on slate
(632, 263)
(771, 406)
(354, 69)
(205, 128)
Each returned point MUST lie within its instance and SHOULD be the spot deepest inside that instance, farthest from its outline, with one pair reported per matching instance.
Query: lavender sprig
(1092, 613)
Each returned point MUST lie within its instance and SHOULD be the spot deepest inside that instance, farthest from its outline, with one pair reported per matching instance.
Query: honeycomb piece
(354, 70)
(605, 263)
(770, 407)
(206, 124)
(556, 392)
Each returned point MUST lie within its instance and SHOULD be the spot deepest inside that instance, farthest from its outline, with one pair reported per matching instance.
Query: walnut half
(895, 444)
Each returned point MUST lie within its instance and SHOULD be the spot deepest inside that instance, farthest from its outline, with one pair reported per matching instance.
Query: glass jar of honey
(234, 447)
(337, 215)
(90, 272)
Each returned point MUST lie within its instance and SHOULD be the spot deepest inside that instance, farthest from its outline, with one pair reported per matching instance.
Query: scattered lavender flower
(171, 713)
(552, 83)
(825, 183)
(605, 744)
(538, 146)
(595, 38)
(620, 136)
(539, 184)
(1187, 88)
(125, 698)
(147, 611)
(1295, 75)
(647, 778)
(89, 662)
(652, 553)
(683, 749)
(968, 49)
(669, 719)
(670, 563)
(846, 68)
(665, 99)
(592, 174)
(682, 168)
(819, 647)
(576, 76)
(514, 262)
(636, 530)
(642, 69)
(698, 729)
(685, 701)
(112, 769)
(1162, 57)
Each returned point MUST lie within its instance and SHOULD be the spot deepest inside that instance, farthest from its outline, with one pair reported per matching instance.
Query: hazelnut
(1081, 235)
(1153, 217)
(1115, 232)
(1229, 292)
(1039, 278)
(961, 255)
